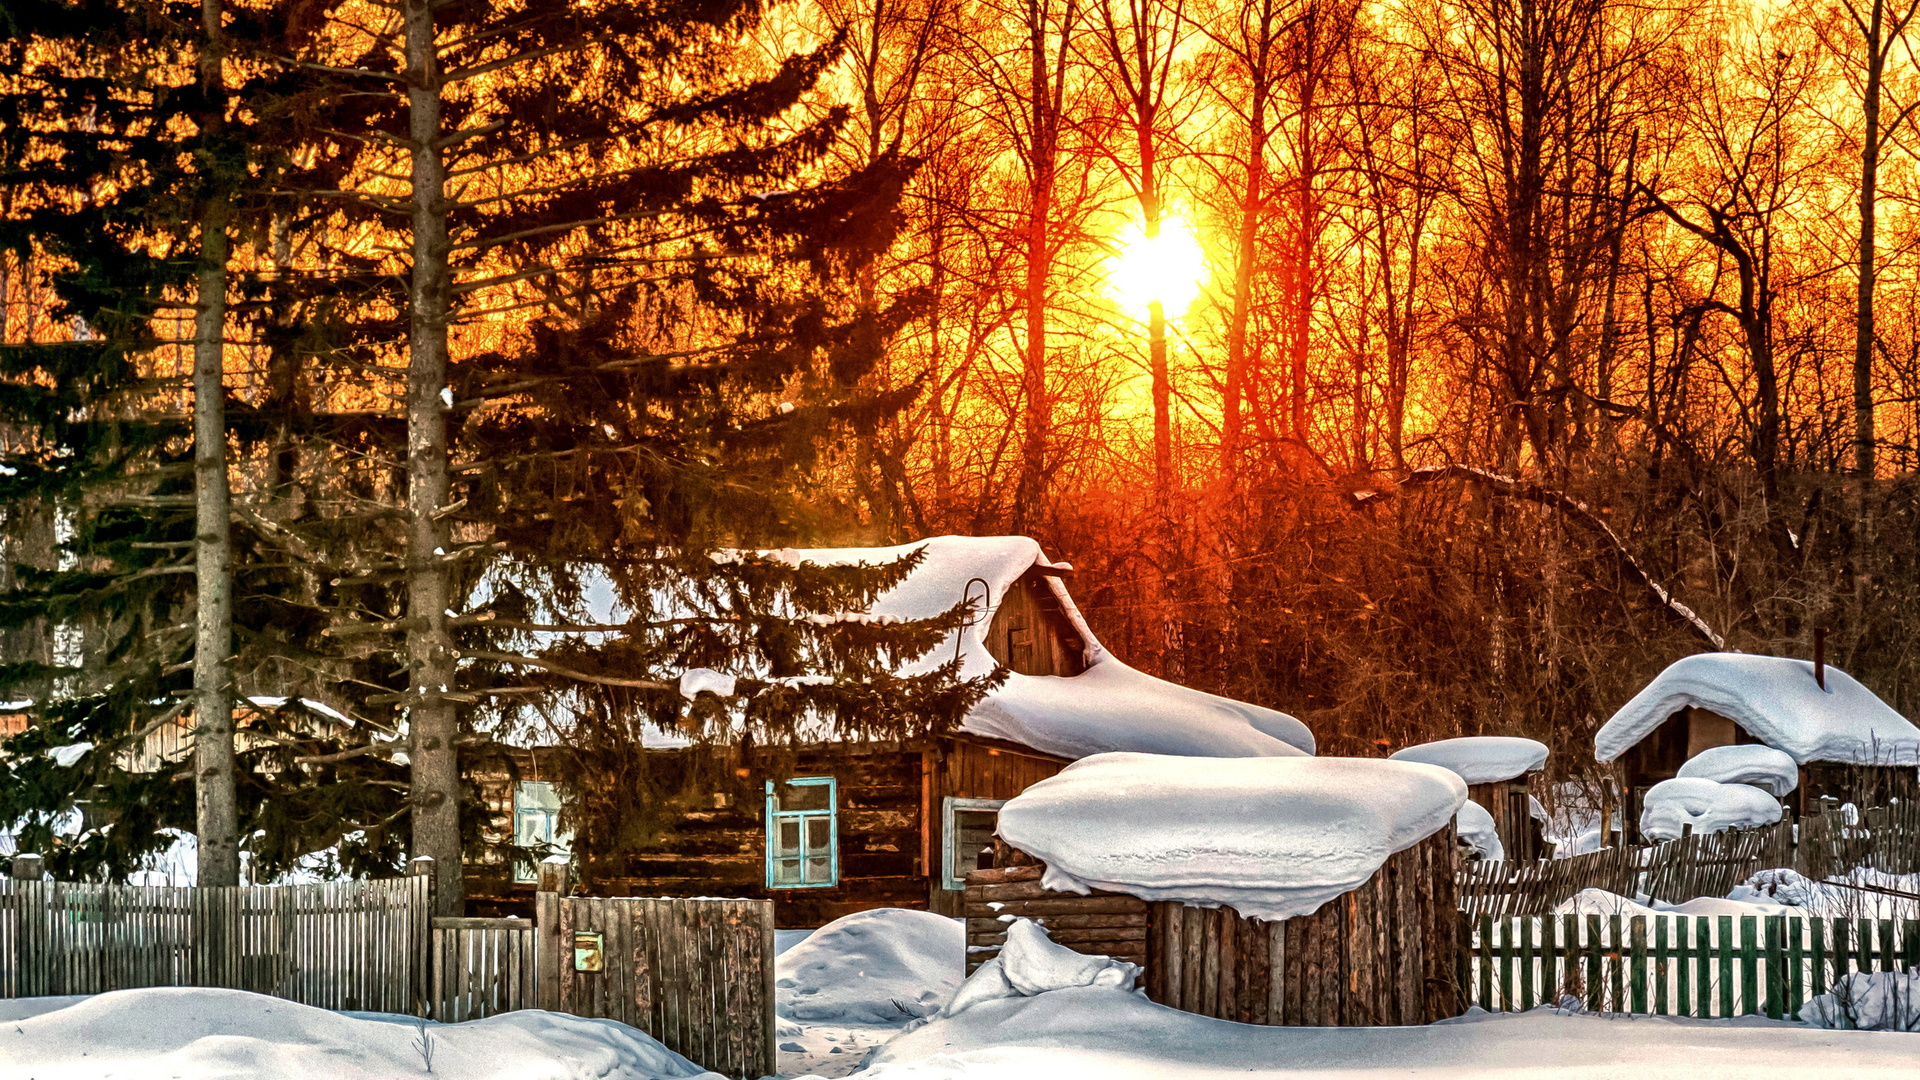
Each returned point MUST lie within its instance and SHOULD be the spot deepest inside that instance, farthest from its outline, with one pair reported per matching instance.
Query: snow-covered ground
(1108, 1034)
(193, 1034)
(852, 984)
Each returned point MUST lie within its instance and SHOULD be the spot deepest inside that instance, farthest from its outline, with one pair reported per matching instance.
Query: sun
(1168, 268)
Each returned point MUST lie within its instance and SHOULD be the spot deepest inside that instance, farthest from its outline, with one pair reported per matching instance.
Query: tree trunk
(1863, 315)
(433, 719)
(216, 810)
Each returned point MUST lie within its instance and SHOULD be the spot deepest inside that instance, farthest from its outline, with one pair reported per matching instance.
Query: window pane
(535, 795)
(819, 834)
(786, 837)
(786, 872)
(532, 828)
(819, 872)
(804, 796)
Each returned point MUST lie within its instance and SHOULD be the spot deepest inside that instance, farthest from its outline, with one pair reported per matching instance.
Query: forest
(1417, 369)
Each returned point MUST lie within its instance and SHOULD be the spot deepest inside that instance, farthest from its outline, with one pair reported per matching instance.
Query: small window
(536, 828)
(803, 841)
(968, 825)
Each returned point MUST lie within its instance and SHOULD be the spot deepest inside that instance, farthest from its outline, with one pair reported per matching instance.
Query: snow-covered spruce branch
(1574, 508)
(567, 672)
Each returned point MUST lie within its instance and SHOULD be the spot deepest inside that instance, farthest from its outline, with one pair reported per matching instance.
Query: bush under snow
(1877, 1001)
(885, 966)
(1031, 963)
(1707, 805)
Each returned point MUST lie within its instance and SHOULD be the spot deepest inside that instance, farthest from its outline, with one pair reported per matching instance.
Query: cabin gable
(1030, 632)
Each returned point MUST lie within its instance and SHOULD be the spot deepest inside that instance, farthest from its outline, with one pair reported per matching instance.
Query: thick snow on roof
(1762, 766)
(1480, 759)
(1475, 827)
(1706, 805)
(1108, 707)
(1270, 837)
(1777, 701)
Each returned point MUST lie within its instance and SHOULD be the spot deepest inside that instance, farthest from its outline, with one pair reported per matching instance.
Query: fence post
(422, 923)
(551, 886)
(28, 867)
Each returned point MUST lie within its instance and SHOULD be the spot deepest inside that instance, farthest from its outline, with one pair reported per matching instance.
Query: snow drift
(1760, 766)
(1876, 1001)
(1031, 963)
(1778, 702)
(1476, 830)
(1706, 805)
(1480, 759)
(1270, 837)
(884, 966)
(208, 1034)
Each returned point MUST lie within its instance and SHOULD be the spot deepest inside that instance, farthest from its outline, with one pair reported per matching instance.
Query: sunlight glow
(1167, 268)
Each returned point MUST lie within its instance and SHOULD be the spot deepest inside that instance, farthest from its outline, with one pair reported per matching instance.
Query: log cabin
(841, 827)
(1498, 771)
(1849, 744)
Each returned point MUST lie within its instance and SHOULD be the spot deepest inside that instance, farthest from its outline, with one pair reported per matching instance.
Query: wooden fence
(1676, 965)
(481, 967)
(1674, 872)
(695, 974)
(338, 945)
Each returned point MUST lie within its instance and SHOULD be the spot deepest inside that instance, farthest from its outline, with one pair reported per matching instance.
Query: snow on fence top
(1108, 707)
(1706, 805)
(1271, 838)
(1480, 759)
(1762, 766)
(1778, 702)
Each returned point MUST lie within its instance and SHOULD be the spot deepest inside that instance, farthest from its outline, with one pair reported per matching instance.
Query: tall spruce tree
(625, 346)
(129, 164)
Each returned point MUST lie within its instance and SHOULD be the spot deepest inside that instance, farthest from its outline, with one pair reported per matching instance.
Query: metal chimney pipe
(1820, 656)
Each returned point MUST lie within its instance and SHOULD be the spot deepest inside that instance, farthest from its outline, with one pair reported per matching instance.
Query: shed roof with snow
(1480, 759)
(1272, 838)
(1778, 701)
(1106, 707)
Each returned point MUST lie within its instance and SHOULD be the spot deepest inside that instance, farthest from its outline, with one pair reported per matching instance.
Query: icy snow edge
(1270, 837)
(1480, 759)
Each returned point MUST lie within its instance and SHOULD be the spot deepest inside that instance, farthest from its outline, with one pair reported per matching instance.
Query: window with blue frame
(536, 826)
(803, 833)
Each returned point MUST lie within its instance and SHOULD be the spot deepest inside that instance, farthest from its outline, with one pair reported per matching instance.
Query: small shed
(1295, 891)
(1498, 771)
(1848, 744)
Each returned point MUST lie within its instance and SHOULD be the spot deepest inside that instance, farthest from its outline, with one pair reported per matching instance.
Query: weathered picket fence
(337, 945)
(1675, 965)
(1674, 871)
(481, 967)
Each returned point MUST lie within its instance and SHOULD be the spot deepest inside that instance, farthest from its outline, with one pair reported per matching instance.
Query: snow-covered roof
(1108, 707)
(1706, 805)
(1480, 759)
(1761, 766)
(1476, 830)
(1778, 702)
(1270, 837)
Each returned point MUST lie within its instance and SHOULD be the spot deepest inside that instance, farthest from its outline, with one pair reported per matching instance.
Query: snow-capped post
(28, 867)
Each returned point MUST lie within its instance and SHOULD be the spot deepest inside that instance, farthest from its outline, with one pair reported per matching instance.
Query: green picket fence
(1676, 965)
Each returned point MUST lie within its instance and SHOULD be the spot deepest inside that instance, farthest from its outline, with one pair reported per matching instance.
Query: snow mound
(206, 1034)
(1706, 805)
(1270, 837)
(885, 966)
(1877, 1001)
(1476, 830)
(1031, 963)
(1108, 707)
(1777, 701)
(1480, 759)
(1760, 766)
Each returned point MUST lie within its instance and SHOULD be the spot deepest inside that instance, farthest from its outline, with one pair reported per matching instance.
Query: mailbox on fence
(586, 950)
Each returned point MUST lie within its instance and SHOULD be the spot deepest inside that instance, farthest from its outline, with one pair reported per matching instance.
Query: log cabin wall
(1385, 953)
(969, 767)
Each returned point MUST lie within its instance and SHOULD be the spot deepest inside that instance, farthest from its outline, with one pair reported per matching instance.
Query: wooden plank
(1723, 926)
(1637, 962)
(1775, 956)
(1749, 966)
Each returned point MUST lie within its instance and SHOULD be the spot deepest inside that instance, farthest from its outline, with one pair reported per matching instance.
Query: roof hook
(973, 613)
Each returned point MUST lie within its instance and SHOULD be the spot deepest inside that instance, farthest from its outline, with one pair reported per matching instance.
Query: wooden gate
(695, 974)
(338, 945)
(481, 967)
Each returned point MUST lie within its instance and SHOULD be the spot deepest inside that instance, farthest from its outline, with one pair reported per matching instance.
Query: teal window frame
(536, 802)
(776, 817)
